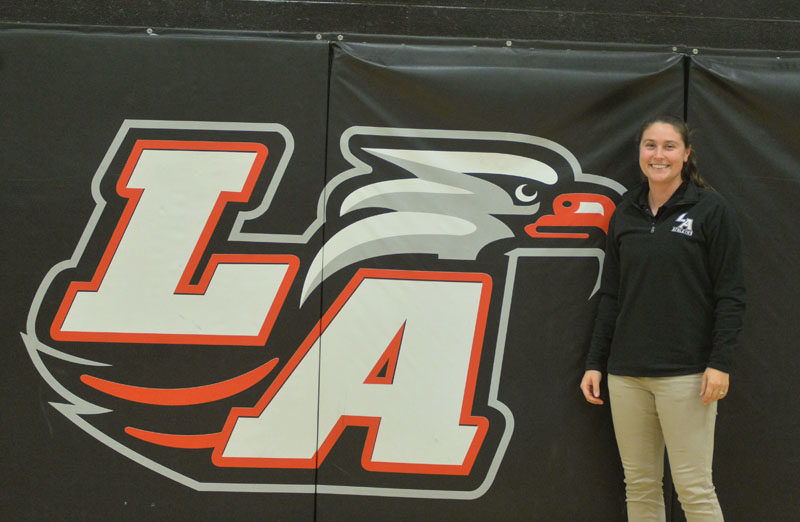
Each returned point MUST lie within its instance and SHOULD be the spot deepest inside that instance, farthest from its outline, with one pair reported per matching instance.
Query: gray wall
(735, 24)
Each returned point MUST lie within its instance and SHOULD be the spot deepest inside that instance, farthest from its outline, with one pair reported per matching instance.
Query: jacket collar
(686, 193)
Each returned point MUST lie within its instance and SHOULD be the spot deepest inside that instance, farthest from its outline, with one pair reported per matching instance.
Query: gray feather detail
(441, 211)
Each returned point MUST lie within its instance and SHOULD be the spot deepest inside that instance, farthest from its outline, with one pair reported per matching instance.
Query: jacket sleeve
(608, 308)
(724, 253)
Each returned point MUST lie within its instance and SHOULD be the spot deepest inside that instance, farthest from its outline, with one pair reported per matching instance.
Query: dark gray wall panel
(743, 112)
(588, 102)
(736, 24)
(64, 98)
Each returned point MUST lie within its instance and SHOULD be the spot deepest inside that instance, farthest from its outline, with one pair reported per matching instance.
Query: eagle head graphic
(440, 199)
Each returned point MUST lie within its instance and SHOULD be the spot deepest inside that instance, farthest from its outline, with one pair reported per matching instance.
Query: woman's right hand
(590, 386)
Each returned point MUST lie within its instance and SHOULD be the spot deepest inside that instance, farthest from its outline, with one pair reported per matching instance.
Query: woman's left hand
(715, 385)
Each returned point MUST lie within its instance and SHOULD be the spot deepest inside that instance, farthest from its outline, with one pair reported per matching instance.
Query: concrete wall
(735, 24)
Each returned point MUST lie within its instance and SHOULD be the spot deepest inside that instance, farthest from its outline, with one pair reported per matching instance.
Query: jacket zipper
(652, 220)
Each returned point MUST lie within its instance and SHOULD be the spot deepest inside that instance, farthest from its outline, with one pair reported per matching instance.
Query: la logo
(221, 330)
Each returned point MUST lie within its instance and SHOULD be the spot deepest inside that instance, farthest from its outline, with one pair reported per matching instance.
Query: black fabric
(672, 295)
(64, 97)
(588, 102)
(743, 110)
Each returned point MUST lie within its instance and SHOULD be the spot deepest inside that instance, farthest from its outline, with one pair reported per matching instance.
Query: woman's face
(662, 154)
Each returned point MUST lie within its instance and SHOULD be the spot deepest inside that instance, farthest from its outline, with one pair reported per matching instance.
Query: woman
(667, 325)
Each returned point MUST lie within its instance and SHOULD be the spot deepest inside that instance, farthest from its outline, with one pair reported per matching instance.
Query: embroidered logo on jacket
(683, 225)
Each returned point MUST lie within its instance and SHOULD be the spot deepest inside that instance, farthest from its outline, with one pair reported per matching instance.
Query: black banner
(743, 112)
(453, 116)
(108, 141)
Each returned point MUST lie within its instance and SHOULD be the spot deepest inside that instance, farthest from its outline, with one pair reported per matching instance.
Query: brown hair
(689, 170)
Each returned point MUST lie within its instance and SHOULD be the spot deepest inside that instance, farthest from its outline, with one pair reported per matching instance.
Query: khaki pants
(649, 412)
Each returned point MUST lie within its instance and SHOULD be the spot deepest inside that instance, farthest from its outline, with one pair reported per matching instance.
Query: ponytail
(689, 172)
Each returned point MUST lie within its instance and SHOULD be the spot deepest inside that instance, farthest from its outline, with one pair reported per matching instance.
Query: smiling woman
(672, 298)
(662, 154)
(666, 158)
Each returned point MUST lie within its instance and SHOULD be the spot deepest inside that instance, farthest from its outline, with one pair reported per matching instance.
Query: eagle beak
(574, 210)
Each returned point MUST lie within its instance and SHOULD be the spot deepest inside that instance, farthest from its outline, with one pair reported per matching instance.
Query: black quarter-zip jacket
(672, 291)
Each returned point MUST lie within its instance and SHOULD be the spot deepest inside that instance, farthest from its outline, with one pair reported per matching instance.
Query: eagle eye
(524, 198)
